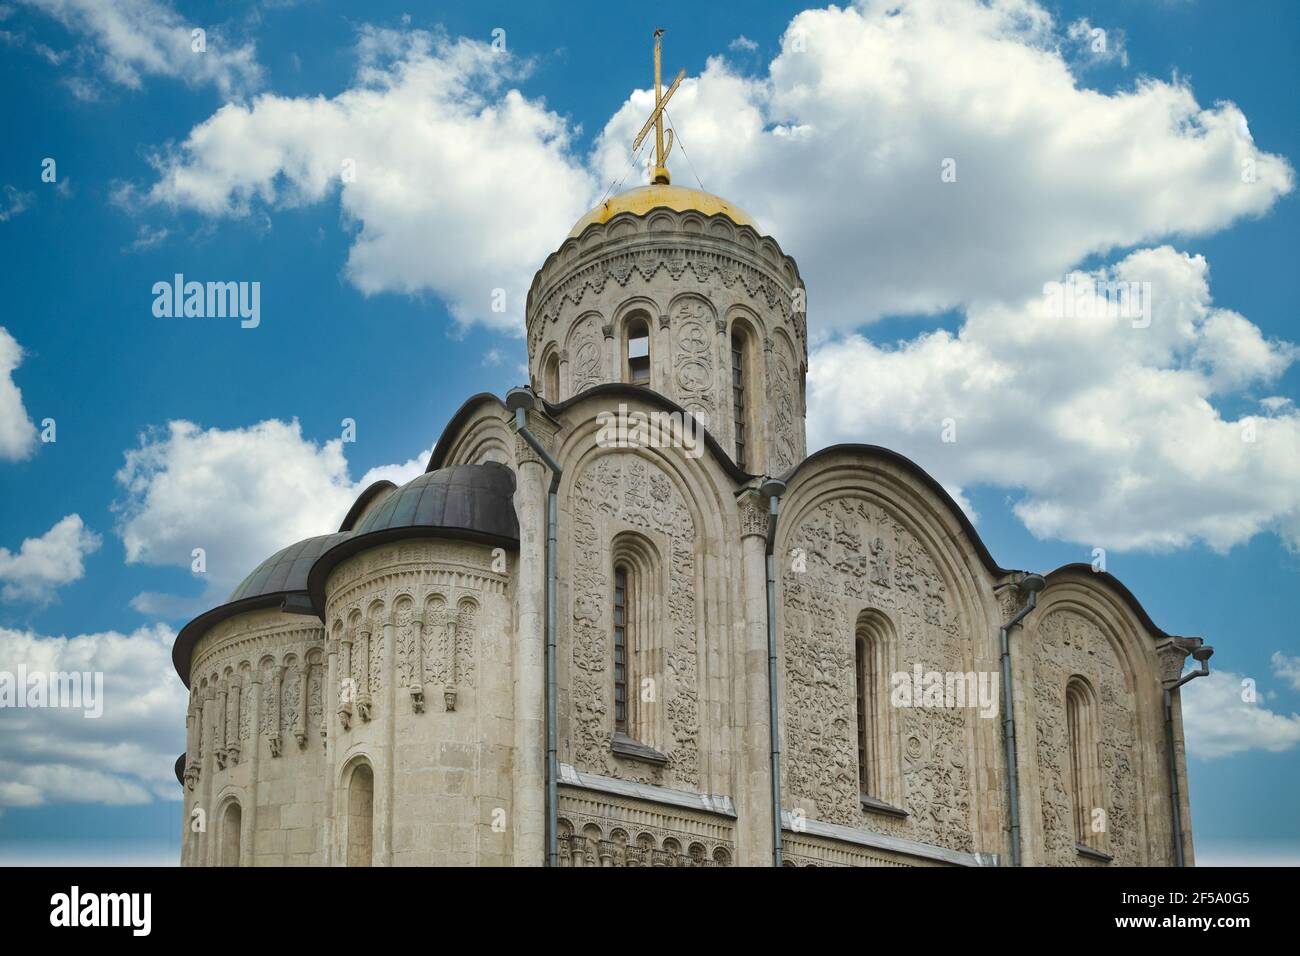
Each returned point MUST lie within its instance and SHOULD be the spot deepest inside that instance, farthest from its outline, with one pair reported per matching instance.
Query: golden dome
(641, 200)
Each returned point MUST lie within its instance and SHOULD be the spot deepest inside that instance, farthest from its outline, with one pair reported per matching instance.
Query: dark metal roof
(180, 770)
(986, 558)
(281, 577)
(379, 487)
(286, 570)
(615, 389)
(468, 502)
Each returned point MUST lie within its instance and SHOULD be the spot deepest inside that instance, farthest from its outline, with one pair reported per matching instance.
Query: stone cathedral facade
(379, 695)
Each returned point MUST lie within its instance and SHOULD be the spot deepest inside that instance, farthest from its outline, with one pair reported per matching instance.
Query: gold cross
(656, 119)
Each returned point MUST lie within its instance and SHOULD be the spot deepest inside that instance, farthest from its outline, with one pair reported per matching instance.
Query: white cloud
(1117, 437)
(837, 151)
(15, 203)
(41, 565)
(1109, 431)
(1218, 723)
(125, 756)
(131, 39)
(240, 494)
(455, 183)
(17, 433)
(1287, 668)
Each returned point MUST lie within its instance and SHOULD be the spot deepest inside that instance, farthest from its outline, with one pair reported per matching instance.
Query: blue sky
(223, 165)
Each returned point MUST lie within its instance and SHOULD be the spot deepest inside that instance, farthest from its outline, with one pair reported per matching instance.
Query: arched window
(231, 820)
(638, 351)
(868, 762)
(739, 403)
(551, 378)
(879, 781)
(361, 815)
(1085, 774)
(637, 622)
(622, 602)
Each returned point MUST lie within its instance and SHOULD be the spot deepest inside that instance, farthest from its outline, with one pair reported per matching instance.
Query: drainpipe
(1031, 583)
(773, 488)
(521, 400)
(1201, 654)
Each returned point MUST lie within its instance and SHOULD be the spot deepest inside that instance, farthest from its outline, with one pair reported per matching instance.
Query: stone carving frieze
(621, 491)
(845, 555)
(1068, 644)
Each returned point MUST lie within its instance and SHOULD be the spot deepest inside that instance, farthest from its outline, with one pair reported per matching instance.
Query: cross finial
(656, 119)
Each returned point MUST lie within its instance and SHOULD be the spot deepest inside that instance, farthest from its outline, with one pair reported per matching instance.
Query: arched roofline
(651, 397)
(363, 502)
(985, 556)
(291, 602)
(580, 239)
(327, 562)
(457, 422)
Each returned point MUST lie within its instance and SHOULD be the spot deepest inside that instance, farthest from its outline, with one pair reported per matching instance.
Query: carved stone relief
(1069, 643)
(621, 491)
(849, 554)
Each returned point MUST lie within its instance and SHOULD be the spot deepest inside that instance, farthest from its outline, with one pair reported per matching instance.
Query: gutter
(1201, 654)
(774, 488)
(1032, 583)
(520, 401)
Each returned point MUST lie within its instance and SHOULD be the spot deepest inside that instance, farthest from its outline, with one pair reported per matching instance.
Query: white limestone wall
(254, 737)
(421, 683)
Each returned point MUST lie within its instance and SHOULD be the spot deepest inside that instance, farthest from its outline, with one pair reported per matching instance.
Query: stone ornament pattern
(436, 646)
(859, 555)
(693, 371)
(806, 850)
(252, 654)
(686, 248)
(1068, 643)
(623, 833)
(624, 491)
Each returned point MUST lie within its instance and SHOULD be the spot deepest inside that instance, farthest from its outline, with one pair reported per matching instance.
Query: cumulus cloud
(41, 565)
(128, 40)
(838, 151)
(125, 756)
(1116, 436)
(1217, 722)
(1287, 668)
(837, 148)
(239, 494)
(1106, 424)
(455, 183)
(17, 433)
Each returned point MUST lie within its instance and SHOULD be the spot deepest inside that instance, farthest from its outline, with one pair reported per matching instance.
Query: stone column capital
(753, 513)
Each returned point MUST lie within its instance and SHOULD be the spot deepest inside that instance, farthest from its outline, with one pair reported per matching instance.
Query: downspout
(521, 400)
(1201, 654)
(774, 489)
(1032, 583)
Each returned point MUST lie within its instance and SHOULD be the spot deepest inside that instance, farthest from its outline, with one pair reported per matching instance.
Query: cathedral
(625, 619)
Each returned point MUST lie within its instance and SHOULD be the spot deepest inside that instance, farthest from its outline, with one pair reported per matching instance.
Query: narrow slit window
(1084, 775)
(620, 648)
(738, 394)
(638, 352)
(865, 674)
(551, 379)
